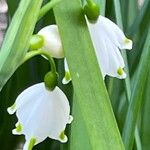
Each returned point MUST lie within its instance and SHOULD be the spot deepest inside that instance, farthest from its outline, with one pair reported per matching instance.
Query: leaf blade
(17, 38)
(92, 98)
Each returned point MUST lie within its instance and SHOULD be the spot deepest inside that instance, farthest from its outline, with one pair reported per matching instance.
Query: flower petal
(12, 109)
(106, 40)
(18, 129)
(70, 119)
(113, 32)
(29, 144)
(25, 97)
(52, 108)
(115, 62)
(62, 137)
(52, 41)
(99, 43)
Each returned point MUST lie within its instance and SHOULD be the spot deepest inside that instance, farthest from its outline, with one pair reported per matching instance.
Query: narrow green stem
(31, 54)
(47, 7)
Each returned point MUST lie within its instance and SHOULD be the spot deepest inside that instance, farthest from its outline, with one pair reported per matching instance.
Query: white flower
(41, 113)
(107, 39)
(52, 41)
(67, 77)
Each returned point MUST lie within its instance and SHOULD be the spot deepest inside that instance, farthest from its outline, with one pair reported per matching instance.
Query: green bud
(92, 11)
(36, 42)
(51, 80)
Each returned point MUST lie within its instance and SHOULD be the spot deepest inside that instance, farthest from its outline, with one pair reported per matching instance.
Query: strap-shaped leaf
(91, 97)
(17, 38)
(136, 96)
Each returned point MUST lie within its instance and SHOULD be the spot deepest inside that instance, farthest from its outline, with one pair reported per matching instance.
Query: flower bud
(36, 42)
(52, 41)
(51, 80)
(92, 11)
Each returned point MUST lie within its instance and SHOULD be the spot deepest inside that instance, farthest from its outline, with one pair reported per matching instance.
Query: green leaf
(91, 96)
(17, 38)
(120, 24)
(145, 119)
(12, 5)
(136, 96)
(102, 4)
(142, 18)
(127, 80)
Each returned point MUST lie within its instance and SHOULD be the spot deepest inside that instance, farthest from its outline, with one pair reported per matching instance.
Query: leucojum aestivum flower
(41, 113)
(43, 109)
(107, 39)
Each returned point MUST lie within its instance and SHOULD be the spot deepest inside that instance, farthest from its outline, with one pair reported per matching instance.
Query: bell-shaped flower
(41, 113)
(107, 39)
(52, 41)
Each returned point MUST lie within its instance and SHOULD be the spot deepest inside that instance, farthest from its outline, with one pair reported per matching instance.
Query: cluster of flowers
(45, 113)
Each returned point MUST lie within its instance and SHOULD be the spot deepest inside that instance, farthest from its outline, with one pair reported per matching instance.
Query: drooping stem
(31, 54)
(47, 7)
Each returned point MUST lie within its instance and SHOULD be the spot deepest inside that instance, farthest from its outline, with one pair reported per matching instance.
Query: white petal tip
(62, 137)
(121, 74)
(67, 78)
(15, 132)
(18, 129)
(11, 110)
(70, 119)
(64, 81)
(127, 44)
(29, 144)
(64, 140)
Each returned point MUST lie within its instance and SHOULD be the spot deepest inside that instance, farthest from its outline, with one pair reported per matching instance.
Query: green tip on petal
(11, 110)
(63, 137)
(67, 78)
(18, 127)
(31, 143)
(51, 80)
(67, 75)
(120, 71)
(127, 40)
(92, 11)
(36, 42)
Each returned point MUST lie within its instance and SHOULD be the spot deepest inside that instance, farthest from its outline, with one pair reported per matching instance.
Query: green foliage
(17, 38)
(90, 95)
(94, 126)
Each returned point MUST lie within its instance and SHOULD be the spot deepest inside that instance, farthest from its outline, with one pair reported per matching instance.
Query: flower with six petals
(41, 113)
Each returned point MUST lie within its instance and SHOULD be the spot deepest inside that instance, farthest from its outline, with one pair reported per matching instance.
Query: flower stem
(47, 7)
(31, 54)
